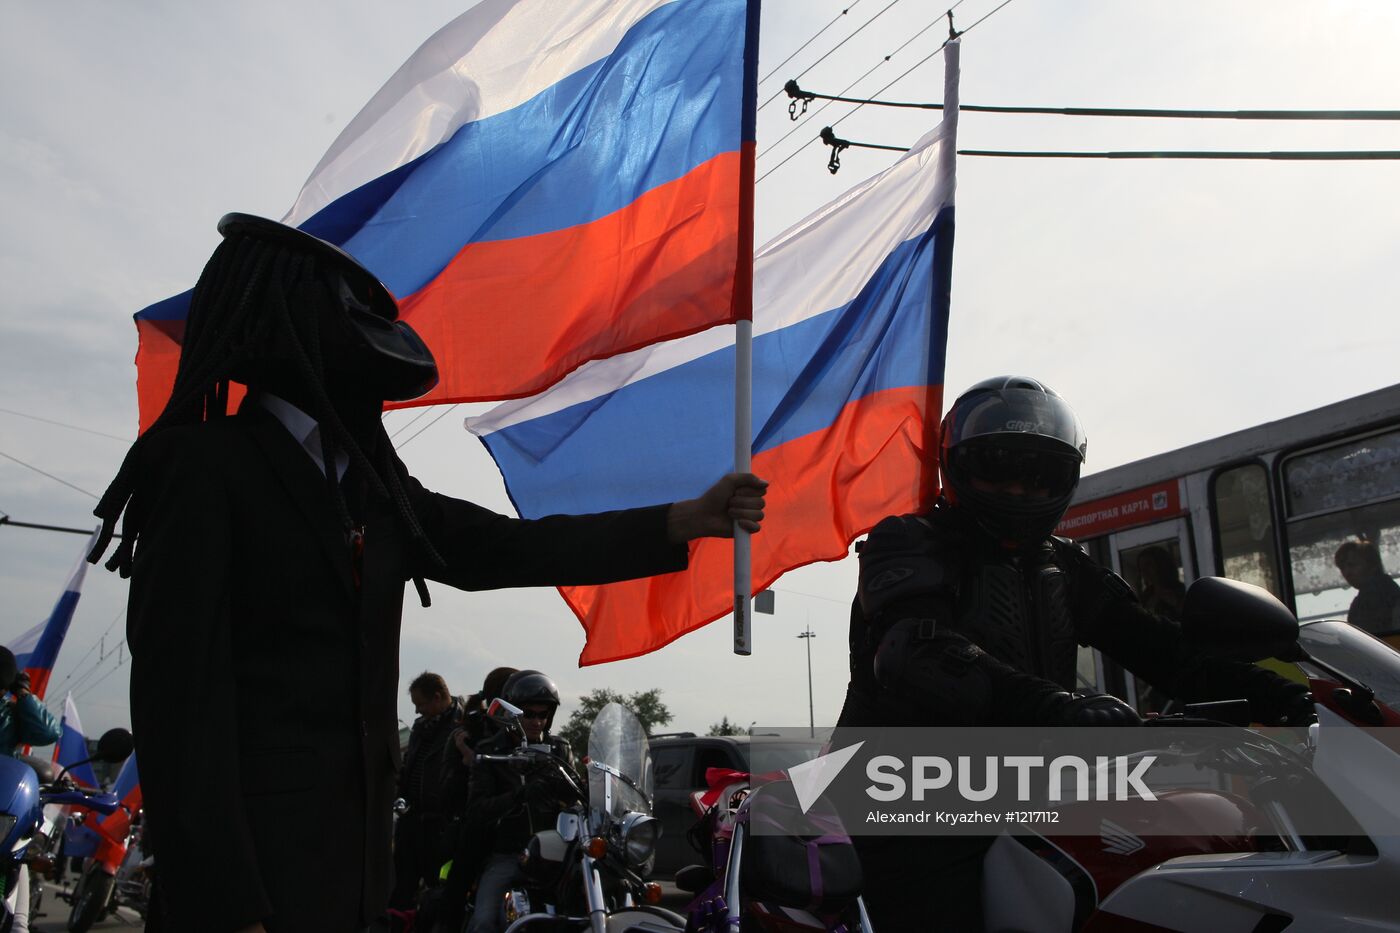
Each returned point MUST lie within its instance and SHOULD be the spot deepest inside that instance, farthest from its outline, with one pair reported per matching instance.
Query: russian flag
(36, 650)
(72, 746)
(542, 183)
(850, 325)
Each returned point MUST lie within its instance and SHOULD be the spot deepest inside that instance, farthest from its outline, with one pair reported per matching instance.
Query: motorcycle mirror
(1238, 621)
(115, 746)
(507, 714)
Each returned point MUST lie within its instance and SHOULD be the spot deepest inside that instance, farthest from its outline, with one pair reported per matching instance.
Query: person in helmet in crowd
(268, 553)
(971, 613)
(512, 806)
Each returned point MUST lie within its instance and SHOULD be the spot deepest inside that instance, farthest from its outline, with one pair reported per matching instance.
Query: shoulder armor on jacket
(905, 556)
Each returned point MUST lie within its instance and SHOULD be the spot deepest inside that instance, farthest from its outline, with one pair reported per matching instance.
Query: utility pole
(807, 636)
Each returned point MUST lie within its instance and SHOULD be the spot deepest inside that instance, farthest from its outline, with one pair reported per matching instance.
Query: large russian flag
(36, 651)
(541, 184)
(850, 324)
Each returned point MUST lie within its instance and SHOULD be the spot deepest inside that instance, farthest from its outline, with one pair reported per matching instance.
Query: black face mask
(366, 350)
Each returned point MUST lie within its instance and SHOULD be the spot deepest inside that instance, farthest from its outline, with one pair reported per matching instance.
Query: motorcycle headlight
(639, 834)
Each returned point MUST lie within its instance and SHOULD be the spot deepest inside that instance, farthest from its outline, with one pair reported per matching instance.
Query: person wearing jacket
(268, 553)
(23, 719)
(511, 806)
(431, 765)
(971, 614)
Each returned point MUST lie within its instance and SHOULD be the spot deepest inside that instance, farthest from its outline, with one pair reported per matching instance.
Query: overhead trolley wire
(953, 34)
(425, 427)
(56, 479)
(815, 36)
(797, 93)
(814, 113)
(829, 51)
(64, 424)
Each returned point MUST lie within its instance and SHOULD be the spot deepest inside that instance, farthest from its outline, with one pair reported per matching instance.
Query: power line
(954, 34)
(928, 57)
(425, 427)
(30, 466)
(1352, 155)
(815, 36)
(829, 51)
(91, 648)
(797, 93)
(411, 422)
(97, 683)
(814, 113)
(7, 520)
(64, 424)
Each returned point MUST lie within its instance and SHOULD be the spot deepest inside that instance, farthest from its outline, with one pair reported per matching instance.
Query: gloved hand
(21, 684)
(1278, 701)
(1097, 709)
(546, 787)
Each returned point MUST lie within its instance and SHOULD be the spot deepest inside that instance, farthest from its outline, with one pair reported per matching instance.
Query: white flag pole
(743, 462)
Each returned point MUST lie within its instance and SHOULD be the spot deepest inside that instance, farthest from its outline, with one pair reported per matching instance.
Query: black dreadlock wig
(259, 315)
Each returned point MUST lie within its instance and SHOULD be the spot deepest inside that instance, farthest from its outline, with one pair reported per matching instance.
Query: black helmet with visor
(1010, 454)
(531, 688)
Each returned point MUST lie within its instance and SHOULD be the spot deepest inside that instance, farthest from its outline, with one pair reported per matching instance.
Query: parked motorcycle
(1262, 874)
(30, 819)
(769, 881)
(588, 873)
(116, 872)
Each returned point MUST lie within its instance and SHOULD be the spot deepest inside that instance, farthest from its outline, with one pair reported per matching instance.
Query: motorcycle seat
(813, 872)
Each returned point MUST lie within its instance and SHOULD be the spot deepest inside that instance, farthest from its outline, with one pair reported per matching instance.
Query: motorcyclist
(970, 615)
(23, 721)
(514, 804)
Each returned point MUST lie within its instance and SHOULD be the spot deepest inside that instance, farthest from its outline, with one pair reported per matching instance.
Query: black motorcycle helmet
(524, 688)
(1012, 430)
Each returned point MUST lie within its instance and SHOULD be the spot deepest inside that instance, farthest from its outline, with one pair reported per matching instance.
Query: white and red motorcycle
(1250, 869)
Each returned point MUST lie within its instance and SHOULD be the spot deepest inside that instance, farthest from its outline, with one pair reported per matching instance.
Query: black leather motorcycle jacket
(948, 628)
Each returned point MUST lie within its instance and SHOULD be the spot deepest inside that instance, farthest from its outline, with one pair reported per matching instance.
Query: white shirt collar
(304, 430)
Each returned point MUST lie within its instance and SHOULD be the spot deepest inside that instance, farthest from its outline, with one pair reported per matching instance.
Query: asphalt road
(53, 916)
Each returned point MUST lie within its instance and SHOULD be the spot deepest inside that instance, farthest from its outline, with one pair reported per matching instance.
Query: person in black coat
(432, 764)
(268, 554)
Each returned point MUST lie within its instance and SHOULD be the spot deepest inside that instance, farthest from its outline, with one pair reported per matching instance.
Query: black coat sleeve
(183, 711)
(486, 550)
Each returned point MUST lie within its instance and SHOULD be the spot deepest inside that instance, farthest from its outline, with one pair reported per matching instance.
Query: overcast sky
(1168, 301)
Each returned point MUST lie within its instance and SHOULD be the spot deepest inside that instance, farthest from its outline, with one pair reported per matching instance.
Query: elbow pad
(897, 564)
(941, 677)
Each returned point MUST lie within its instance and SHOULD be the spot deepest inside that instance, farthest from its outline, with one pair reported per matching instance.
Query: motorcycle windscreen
(617, 745)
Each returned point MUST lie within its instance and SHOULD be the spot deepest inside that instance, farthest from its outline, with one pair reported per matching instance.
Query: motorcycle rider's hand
(21, 685)
(1289, 704)
(1098, 709)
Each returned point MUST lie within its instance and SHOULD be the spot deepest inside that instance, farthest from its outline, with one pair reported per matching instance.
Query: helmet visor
(1037, 473)
(1019, 417)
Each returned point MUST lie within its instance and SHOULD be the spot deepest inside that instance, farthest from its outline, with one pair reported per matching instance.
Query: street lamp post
(808, 635)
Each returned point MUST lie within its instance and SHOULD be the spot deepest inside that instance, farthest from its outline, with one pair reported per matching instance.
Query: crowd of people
(465, 818)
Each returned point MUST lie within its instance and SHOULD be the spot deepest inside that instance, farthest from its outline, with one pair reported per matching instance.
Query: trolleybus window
(1244, 527)
(1348, 492)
